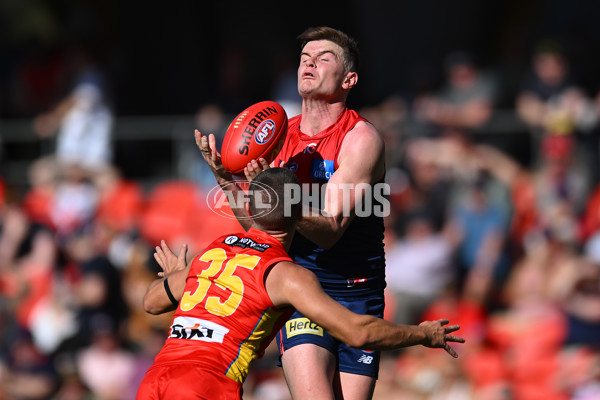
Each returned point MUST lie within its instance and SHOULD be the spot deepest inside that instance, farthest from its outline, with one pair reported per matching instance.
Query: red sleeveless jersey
(314, 158)
(225, 318)
(358, 256)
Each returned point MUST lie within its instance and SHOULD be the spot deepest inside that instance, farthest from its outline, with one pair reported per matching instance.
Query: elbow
(150, 308)
(359, 340)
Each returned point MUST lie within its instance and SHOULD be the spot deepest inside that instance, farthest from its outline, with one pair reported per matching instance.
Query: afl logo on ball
(264, 132)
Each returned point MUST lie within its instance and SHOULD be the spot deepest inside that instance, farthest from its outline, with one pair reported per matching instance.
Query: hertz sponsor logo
(299, 326)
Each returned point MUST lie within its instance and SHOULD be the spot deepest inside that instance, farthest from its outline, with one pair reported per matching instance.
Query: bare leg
(309, 371)
(353, 387)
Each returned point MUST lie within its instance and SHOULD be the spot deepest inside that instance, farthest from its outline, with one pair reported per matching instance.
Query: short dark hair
(348, 44)
(268, 189)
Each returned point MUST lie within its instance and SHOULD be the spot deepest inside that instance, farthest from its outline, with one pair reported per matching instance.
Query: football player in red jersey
(233, 297)
(330, 146)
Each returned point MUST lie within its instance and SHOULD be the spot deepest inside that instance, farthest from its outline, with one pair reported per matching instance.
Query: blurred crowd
(506, 245)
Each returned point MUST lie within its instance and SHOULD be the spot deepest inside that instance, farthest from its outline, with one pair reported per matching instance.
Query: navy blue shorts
(300, 330)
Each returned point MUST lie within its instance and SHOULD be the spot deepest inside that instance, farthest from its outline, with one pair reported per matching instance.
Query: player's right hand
(208, 148)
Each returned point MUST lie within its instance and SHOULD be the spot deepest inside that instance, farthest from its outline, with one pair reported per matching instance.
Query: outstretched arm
(208, 148)
(290, 284)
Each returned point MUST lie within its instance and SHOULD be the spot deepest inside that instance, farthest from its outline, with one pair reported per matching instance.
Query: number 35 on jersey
(220, 272)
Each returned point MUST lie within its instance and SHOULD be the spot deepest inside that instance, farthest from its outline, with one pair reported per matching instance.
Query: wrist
(422, 336)
(224, 181)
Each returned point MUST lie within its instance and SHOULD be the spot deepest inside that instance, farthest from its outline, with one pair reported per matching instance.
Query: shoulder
(294, 123)
(286, 280)
(363, 139)
(364, 131)
(288, 270)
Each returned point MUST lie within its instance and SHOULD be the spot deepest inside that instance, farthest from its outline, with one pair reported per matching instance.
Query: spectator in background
(26, 373)
(418, 268)
(27, 260)
(432, 167)
(550, 101)
(590, 218)
(120, 200)
(106, 366)
(37, 202)
(74, 201)
(546, 199)
(466, 100)
(82, 120)
(120, 206)
(390, 118)
(530, 330)
(97, 290)
(578, 290)
(478, 227)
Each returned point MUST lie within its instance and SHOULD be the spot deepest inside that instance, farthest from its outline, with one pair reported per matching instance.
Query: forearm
(290, 284)
(380, 334)
(156, 300)
(322, 229)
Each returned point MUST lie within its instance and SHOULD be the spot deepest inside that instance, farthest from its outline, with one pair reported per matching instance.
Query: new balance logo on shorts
(365, 359)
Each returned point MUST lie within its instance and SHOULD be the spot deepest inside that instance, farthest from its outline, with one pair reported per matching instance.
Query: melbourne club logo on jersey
(265, 131)
(310, 148)
(322, 169)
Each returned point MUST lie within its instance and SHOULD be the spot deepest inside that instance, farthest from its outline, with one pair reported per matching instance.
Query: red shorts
(186, 381)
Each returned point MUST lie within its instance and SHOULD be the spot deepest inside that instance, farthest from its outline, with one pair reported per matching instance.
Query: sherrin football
(257, 132)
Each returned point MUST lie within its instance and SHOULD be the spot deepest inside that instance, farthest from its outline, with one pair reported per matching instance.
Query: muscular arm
(156, 300)
(290, 284)
(360, 161)
(208, 147)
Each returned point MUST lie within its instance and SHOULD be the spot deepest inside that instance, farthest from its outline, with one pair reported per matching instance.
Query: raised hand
(208, 148)
(254, 168)
(169, 261)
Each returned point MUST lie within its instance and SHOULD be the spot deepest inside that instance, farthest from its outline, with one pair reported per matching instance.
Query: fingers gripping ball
(258, 131)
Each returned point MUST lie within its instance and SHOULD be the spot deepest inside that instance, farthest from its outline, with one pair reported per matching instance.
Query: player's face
(321, 70)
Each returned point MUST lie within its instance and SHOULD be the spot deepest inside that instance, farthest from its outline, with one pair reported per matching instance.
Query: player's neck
(317, 115)
(284, 237)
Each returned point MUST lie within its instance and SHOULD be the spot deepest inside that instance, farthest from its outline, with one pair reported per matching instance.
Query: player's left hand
(255, 167)
(168, 260)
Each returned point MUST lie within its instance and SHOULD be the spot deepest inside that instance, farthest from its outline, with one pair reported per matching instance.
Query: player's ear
(350, 80)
